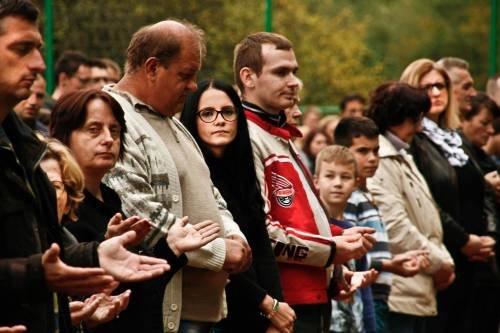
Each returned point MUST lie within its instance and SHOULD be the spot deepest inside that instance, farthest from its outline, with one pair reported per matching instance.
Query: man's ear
(63, 78)
(248, 77)
(151, 67)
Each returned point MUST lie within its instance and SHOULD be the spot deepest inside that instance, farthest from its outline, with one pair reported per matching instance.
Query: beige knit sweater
(164, 177)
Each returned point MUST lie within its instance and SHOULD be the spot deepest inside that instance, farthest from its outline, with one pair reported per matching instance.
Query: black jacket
(462, 197)
(28, 225)
(443, 183)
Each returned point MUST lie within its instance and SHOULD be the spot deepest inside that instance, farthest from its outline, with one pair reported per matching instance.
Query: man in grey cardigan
(163, 176)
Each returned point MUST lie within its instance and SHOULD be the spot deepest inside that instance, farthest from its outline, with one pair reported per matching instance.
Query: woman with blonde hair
(428, 75)
(67, 178)
(456, 186)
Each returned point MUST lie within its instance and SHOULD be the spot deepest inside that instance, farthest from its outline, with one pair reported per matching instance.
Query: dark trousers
(467, 309)
(312, 318)
(188, 326)
(403, 323)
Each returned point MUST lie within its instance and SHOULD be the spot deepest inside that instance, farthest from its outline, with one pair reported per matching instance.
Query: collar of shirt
(278, 120)
(271, 123)
(399, 144)
(139, 106)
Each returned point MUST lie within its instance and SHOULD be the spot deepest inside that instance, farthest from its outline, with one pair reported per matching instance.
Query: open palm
(183, 237)
(126, 266)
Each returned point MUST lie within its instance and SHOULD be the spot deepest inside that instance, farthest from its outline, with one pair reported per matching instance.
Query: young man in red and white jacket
(303, 240)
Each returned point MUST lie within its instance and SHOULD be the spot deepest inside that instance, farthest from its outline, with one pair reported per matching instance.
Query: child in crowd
(360, 136)
(335, 179)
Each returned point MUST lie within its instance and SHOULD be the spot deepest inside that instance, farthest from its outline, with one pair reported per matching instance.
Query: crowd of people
(151, 202)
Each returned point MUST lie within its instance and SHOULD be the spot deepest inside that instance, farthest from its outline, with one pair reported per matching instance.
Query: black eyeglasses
(438, 85)
(208, 115)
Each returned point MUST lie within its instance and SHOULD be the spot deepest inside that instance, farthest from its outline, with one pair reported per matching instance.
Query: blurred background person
(327, 126)
(72, 72)
(314, 141)
(293, 114)
(352, 105)
(310, 118)
(492, 147)
(493, 88)
(114, 70)
(29, 109)
(462, 81)
(99, 75)
(214, 116)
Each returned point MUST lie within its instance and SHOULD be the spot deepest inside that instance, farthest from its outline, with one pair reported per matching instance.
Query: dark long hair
(235, 170)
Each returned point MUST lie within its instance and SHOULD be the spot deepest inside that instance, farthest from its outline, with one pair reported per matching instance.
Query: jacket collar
(269, 123)
(387, 149)
(20, 139)
(139, 106)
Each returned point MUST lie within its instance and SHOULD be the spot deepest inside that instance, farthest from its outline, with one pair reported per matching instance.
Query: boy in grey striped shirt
(360, 135)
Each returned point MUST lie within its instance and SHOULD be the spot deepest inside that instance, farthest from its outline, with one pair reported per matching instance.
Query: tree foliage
(341, 45)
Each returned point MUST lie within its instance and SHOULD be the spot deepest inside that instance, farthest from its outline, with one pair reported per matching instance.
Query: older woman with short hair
(407, 207)
(92, 124)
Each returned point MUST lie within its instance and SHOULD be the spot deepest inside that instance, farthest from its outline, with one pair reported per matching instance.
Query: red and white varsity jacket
(297, 224)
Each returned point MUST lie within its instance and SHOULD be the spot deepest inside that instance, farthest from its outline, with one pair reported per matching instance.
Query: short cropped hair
(479, 102)
(70, 114)
(412, 75)
(147, 43)
(354, 127)
(351, 97)
(113, 65)
(69, 62)
(394, 102)
(72, 175)
(248, 52)
(336, 154)
(97, 63)
(496, 125)
(24, 9)
(493, 85)
(448, 63)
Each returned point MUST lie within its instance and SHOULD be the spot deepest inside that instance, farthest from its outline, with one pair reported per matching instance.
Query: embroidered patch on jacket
(283, 190)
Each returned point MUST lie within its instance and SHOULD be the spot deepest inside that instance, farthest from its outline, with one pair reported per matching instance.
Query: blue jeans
(381, 313)
(188, 326)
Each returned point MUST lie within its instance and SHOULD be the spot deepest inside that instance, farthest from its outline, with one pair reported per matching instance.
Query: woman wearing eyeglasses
(458, 189)
(214, 116)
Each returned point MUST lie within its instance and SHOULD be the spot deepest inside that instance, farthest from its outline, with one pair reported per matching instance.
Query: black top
(460, 194)
(247, 290)
(443, 183)
(93, 215)
(144, 312)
